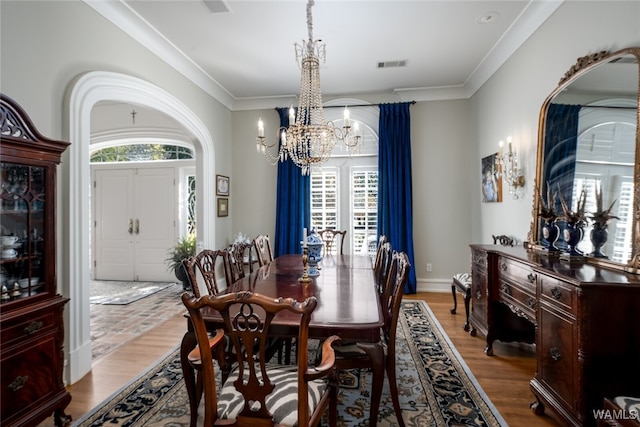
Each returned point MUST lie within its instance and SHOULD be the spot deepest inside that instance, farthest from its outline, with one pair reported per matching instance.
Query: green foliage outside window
(141, 152)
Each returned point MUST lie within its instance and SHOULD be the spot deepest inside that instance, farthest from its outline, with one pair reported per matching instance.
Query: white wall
(253, 185)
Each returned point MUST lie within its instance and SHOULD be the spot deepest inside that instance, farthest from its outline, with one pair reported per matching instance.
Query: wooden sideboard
(584, 320)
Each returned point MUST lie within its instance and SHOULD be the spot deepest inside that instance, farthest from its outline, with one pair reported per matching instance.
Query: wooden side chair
(203, 264)
(256, 393)
(332, 239)
(355, 356)
(386, 258)
(462, 283)
(377, 263)
(262, 243)
(234, 261)
(627, 410)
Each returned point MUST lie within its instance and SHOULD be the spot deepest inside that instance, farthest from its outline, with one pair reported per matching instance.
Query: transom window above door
(140, 153)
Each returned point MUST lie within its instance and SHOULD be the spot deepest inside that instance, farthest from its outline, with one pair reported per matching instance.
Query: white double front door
(135, 213)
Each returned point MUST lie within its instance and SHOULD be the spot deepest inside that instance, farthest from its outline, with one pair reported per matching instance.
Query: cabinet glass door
(22, 213)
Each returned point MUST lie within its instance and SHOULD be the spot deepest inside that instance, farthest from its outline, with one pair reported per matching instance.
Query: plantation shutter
(364, 202)
(324, 198)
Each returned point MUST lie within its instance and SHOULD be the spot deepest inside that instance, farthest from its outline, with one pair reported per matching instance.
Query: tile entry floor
(114, 325)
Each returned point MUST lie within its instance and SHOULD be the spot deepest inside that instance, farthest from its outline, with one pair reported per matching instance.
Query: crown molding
(120, 14)
(532, 17)
(125, 18)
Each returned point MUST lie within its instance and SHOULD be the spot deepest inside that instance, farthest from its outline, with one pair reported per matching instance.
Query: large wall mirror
(588, 160)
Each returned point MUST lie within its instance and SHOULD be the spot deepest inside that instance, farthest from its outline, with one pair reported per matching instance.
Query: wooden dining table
(348, 306)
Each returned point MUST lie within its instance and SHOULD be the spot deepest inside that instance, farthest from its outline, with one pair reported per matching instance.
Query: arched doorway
(74, 241)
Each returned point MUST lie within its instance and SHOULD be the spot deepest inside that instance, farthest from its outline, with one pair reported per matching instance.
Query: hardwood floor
(504, 377)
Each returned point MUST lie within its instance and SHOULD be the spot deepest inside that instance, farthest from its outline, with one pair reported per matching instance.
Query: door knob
(130, 226)
(137, 226)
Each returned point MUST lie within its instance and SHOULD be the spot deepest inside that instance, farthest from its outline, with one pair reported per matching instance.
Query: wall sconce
(507, 166)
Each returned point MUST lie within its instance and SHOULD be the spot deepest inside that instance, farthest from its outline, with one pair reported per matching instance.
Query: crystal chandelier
(308, 140)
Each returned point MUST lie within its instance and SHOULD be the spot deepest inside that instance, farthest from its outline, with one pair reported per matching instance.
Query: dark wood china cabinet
(31, 310)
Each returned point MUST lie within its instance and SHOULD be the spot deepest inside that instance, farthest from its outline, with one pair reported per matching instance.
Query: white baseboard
(433, 285)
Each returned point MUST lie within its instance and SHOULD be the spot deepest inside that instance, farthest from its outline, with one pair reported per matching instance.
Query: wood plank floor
(504, 377)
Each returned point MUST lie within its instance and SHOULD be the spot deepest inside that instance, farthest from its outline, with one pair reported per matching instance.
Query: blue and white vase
(314, 253)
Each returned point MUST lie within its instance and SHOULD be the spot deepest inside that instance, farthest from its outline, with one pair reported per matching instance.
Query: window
(141, 152)
(346, 197)
(364, 207)
(324, 199)
(344, 191)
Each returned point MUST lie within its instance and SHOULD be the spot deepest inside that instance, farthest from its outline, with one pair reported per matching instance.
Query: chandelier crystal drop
(308, 140)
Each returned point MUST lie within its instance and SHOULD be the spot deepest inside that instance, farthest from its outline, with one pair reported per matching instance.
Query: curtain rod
(355, 105)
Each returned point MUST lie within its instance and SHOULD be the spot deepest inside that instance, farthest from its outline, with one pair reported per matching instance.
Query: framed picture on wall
(223, 206)
(222, 185)
(491, 180)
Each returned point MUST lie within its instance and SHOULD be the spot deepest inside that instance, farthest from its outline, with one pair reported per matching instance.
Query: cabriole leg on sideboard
(537, 407)
(61, 419)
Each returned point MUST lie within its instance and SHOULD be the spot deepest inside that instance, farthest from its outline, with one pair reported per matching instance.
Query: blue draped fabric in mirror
(561, 140)
(293, 203)
(395, 203)
(560, 144)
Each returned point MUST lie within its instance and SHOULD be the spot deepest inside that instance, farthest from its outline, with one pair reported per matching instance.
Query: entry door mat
(121, 293)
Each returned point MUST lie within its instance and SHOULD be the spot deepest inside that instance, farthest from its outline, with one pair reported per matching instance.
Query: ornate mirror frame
(583, 66)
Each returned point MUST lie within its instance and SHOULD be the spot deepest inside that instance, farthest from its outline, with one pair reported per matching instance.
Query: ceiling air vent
(216, 6)
(391, 64)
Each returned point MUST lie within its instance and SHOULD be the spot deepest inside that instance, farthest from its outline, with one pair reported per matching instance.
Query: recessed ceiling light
(487, 17)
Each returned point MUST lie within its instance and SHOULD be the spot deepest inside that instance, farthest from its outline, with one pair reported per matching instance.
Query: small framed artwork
(491, 180)
(222, 185)
(223, 206)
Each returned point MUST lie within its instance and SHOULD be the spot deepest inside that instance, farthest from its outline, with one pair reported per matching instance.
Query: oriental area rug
(435, 387)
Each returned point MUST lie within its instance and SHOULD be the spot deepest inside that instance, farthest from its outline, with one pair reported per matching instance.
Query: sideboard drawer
(521, 302)
(25, 328)
(479, 259)
(518, 274)
(560, 294)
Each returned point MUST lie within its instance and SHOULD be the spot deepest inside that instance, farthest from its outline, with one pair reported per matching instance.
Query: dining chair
(203, 264)
(234, 261)
(377, 263)
(332, 239)
(383, 272)
(257, 393)
(262, 243)
(354, 356)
